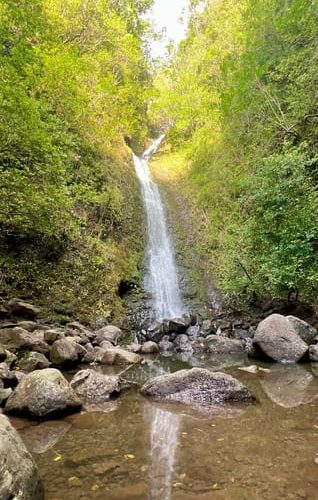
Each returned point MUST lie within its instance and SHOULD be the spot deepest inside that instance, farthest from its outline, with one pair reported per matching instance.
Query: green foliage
(240, 96)
(74, 82)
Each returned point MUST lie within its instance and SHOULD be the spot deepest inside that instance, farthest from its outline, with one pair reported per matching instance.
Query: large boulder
(197, 386)
(119, 357)
(109, 333)
(43, 393)
(217, 344)
(17, 338)
(278, 340)
(94, 387)
(66, 351)
(18, 307)
(305, 331)
(19, 478)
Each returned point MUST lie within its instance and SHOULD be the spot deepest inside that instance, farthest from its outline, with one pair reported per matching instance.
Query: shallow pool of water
(135, 449)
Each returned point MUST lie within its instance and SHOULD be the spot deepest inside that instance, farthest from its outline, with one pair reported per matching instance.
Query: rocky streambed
(185, 412)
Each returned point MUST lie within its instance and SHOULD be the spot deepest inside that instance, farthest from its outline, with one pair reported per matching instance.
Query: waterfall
(161, 281)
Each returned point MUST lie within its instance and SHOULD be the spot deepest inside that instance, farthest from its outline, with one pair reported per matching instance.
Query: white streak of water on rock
(164, 436)
(161, 280)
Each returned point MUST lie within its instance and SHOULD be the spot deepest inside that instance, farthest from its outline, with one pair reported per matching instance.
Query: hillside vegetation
(240, 98)
(74, 82)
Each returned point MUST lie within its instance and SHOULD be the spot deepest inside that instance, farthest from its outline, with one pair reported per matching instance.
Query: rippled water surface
(134, 449)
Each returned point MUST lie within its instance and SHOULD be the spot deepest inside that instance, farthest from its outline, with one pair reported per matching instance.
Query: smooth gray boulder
(119, 357)
(276, 337)
(197, 386)
(94, 387)
(305, 331)
(110, 333)
(43, 393)
(19, 478)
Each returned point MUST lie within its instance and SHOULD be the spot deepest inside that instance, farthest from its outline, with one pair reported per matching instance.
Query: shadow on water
(134, 449)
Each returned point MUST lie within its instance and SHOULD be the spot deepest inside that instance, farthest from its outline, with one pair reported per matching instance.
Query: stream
(134, 449)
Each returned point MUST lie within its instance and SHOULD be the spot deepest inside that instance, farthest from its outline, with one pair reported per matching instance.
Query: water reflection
(290, 385)
(164, 429)
(42, 437)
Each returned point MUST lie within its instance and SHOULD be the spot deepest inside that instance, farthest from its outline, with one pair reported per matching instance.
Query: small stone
(136, 348)
(149, 348)
(313, 353)
(30, 326)
(33, 361)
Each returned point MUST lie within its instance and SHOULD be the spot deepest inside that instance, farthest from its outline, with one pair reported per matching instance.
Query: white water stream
(161, 281)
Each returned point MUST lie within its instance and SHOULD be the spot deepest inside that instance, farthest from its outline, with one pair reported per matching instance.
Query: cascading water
(161, 280)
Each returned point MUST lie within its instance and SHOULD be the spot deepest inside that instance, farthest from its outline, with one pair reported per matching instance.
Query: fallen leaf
(130, 456)
(177, 485)
(57, 457)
